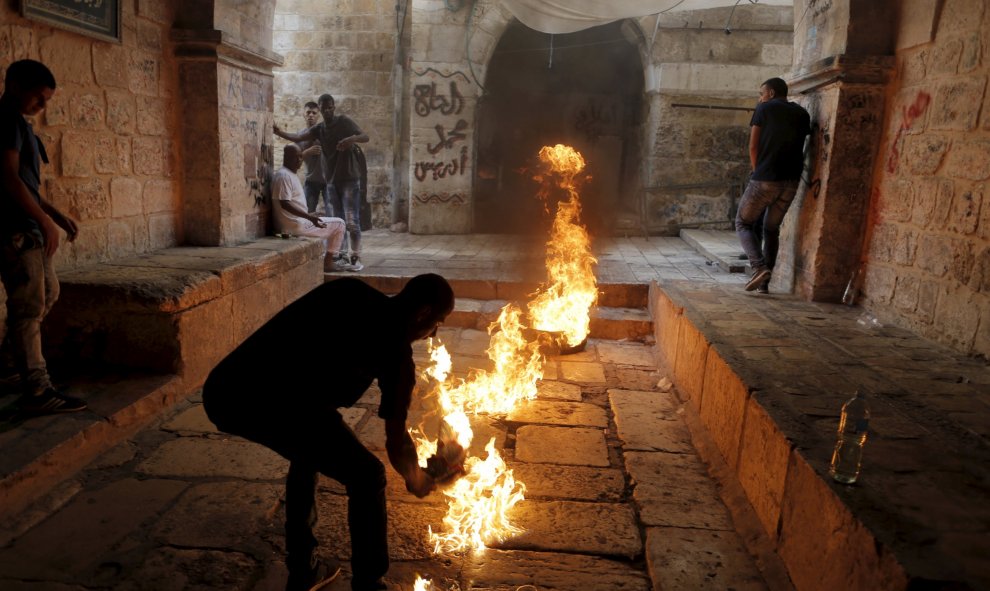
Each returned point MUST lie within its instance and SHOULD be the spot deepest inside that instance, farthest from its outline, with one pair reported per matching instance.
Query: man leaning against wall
(29, 234)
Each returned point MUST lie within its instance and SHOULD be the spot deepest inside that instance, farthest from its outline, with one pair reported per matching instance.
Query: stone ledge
(768, 385)
(177, 310)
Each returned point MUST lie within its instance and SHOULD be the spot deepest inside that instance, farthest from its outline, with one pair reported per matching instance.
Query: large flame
(480, 501)
(564, 305)
(478, 505)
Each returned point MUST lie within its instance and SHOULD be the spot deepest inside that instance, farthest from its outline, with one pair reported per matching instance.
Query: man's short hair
(326, 98)
(430, 290)
(29, 75)
(777, 85)
(311, 105)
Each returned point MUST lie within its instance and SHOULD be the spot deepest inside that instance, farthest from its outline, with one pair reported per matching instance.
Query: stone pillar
(227, 101)
(441, 152)
(822, 237)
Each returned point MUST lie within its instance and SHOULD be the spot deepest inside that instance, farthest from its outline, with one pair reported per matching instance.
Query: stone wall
(928, 254)
(701, 86)
(108, 130)
(351, 54)
(345, 48)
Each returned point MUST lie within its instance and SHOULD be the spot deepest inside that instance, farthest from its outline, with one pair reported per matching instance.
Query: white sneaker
(355, 264)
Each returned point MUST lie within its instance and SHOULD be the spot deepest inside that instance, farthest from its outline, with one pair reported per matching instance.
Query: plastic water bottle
(853, 428)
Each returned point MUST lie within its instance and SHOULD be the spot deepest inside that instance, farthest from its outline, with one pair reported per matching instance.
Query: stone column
(227, 102)
(822, 236)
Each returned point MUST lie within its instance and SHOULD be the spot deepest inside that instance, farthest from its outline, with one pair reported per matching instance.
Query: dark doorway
(582, 89)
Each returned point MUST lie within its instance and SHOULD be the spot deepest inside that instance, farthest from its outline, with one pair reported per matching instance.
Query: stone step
(719, 247)
(613, 295)
(617, 324)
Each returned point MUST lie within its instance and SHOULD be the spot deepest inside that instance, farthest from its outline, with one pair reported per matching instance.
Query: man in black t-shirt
(776, 152)
(337, 135)
(315, 186)
(274, 391)
(29, 234)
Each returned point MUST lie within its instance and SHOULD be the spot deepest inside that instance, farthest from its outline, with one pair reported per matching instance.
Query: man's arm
(10, 163)
(303, 136)
(754, 145)
(293, 208)
(63, 221)
(402, 456)
(347, 142)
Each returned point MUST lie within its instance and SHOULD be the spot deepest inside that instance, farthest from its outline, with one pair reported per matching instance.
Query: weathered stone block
(72, 54)
(969, 160)
(606, 529)
(190, 569)
(723, 405)
(559, 413)
(576, 446)
(191, 420)
(823, 544)
(934, 254)
(763, 462)
(966, 210)
(674, 489)
(582, 372)
(77, 155)
(499, 569)
(648, 421)
(148, 156)
(215, 458)
(552, 389)
(143, 72)
(923, 155)
(87, 111)
(957, 104)
(125, 197)
(576, 483)
(690, 362)
(74, 541)
(705, 560)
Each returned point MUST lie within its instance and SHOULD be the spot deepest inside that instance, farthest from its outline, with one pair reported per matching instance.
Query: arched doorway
(583, 89)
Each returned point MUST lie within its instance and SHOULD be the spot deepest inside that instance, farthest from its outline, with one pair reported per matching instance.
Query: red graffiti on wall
(911, 113)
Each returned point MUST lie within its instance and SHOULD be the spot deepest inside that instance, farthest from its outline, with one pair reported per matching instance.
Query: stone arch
(589, 95)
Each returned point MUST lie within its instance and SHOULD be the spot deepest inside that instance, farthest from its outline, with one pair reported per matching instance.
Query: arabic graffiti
(442, 168)
(447, 139)
(427, 100)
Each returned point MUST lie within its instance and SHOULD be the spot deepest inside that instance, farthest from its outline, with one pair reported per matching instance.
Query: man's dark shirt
(279, 370)
(783, 127)
(16, 134)
(338, 166)
(314, 163)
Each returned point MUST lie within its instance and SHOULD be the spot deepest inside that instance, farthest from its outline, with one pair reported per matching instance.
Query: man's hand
(276, 129)
(345, 144)
(314, 150)
(66, 223)
(317, 221)
(419, 483)
(50, 233)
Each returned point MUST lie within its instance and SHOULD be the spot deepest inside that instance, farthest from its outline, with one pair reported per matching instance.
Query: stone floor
(618, 496)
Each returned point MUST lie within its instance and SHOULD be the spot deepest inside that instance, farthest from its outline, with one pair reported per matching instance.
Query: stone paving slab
(699, 559)
(499, 570)
(605, 529)
(675, 490)
(548, 388)
(577, 446)
(582, 372)
(647, 421)
(548, 412)
(76, 540)
(177, 569)
(637, 354)
(581, 483)
(231, 458)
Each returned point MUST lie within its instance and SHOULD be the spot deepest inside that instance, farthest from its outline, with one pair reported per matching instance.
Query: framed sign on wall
(96, 18)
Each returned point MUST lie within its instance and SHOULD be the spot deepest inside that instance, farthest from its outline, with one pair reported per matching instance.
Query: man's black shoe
(764, 287)
(51, 401)
(759, 276)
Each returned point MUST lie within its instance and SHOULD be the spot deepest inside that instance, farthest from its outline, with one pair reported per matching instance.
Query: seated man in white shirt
(290, 215)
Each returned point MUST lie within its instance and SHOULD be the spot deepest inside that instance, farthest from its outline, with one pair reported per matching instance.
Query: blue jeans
(347, 205)
(32, 288)
(771, 200)
(315, 192)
